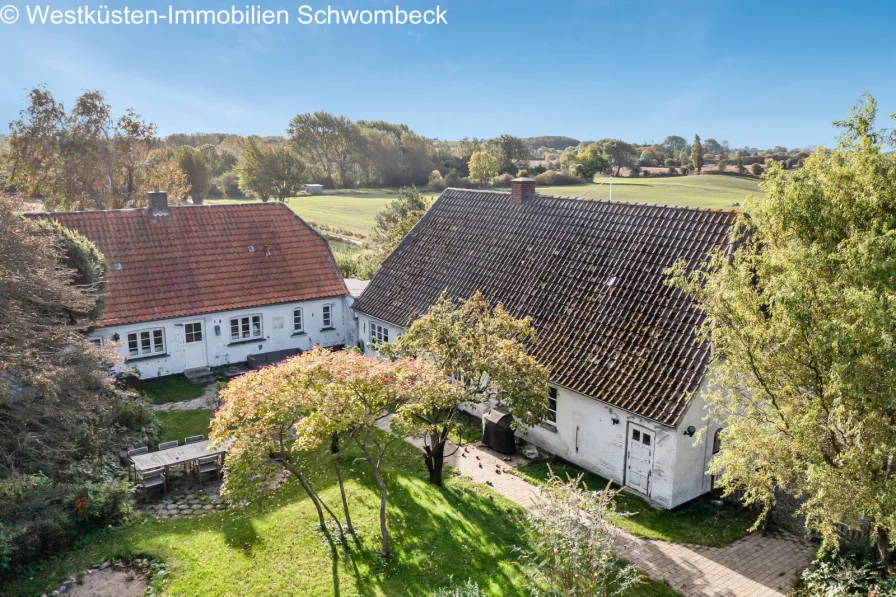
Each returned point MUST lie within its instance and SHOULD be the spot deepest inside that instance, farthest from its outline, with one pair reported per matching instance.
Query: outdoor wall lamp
(115, 337)
(615, 420)
(690, 431)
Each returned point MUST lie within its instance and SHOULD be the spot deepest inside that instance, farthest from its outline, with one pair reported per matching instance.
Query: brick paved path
(754, 566)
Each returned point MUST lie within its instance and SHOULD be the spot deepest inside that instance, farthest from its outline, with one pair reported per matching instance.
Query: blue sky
(753, 73)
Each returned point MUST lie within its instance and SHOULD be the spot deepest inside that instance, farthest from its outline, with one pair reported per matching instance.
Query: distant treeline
(87, 158)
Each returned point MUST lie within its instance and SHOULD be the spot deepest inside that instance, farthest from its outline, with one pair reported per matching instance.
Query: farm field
(354, 210)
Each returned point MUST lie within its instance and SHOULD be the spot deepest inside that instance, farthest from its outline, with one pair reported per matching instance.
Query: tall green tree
(285, 171)
(591, 161)
(802, 317)
(697, 154)
(483, 167)
(397, 219)
(83, 158)
(484, 347)
(254, 171)
(192, 162)
(622, 154)
(509, 150)
(331, 143)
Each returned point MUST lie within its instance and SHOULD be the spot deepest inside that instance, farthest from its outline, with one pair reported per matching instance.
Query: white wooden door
(194, 341)
(640, 458)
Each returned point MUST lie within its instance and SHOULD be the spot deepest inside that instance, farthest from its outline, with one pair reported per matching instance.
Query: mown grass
(272, 547)
(171, 388)
(355, 209)
(707, 191)
(699, 524)
(181, 424)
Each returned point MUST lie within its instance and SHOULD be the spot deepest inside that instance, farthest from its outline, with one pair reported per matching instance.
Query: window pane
(158, 344)
(145, 344)
(245, 324)
(256, 326)
(385, 334)
(132, 345)
(297, 320)
(234, 329)
(636, 435)
(646, 440)
(327, 316)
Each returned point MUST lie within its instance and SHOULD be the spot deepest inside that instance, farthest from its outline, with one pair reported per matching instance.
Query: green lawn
(700, 524)
(181, 424)
(692, 191)
(349, 209)
(354, 210)
(272, 548)
(171, 388)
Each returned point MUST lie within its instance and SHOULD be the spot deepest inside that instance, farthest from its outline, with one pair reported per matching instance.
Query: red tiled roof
(197, 260)
(591, 274)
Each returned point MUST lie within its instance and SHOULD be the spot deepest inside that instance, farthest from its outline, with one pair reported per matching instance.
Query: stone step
(200, 375)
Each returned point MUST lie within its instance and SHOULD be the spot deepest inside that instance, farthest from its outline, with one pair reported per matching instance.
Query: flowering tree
(361, 395)
(276, 415)
(260, 414)
(485, 348)
(572, 541)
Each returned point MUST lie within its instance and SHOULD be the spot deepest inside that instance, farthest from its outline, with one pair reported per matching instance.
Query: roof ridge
(613, 202)
(139, 209)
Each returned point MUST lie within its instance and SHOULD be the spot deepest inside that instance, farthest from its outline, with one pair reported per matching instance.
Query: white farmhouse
(626, 372)
(191, 287)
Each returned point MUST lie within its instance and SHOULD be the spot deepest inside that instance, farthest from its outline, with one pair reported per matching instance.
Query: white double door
(639, 458)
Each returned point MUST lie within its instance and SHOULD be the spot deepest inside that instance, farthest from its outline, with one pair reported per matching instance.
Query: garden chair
(166, 445)
(152, 478)
(194, 438)
(209, 464)
(135, 452)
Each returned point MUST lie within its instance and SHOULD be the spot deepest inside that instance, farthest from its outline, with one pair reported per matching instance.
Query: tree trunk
(883, 549)
(334, 449)
(384, 531)
(435, 461)
(319, 504)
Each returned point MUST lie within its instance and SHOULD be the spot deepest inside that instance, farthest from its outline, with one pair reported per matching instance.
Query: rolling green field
(354, 210)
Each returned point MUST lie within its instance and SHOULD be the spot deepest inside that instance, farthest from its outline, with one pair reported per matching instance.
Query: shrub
(635, 171)
(671, 171)
(845, 576)
(436, 182)
(671, 162)
(467, 589)
(756, 169)
(40, 516)
(228, 183)
(555, 178)
(503, 180)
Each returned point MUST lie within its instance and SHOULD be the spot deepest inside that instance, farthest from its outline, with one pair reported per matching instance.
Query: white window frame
(201, 332)
(378, 333)
(327, 316)
(98, 340)
(246, 332)
(550, 416)
(298, 321)
(157, 343)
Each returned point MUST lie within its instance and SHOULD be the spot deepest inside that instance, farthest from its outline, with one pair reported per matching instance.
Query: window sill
(247, 341)
(327, 329)
(548, 426)
(293, 335)
(148, 357)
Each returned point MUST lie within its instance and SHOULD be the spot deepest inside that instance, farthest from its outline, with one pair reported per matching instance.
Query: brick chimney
(520, 187)
(158, 202)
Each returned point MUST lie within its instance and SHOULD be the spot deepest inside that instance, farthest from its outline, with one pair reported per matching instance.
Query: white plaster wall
(363, 330)
(693, 457)
(277, 334)
(678, 473)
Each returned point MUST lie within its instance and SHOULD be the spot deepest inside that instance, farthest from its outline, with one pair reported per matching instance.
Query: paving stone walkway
(754, 566)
